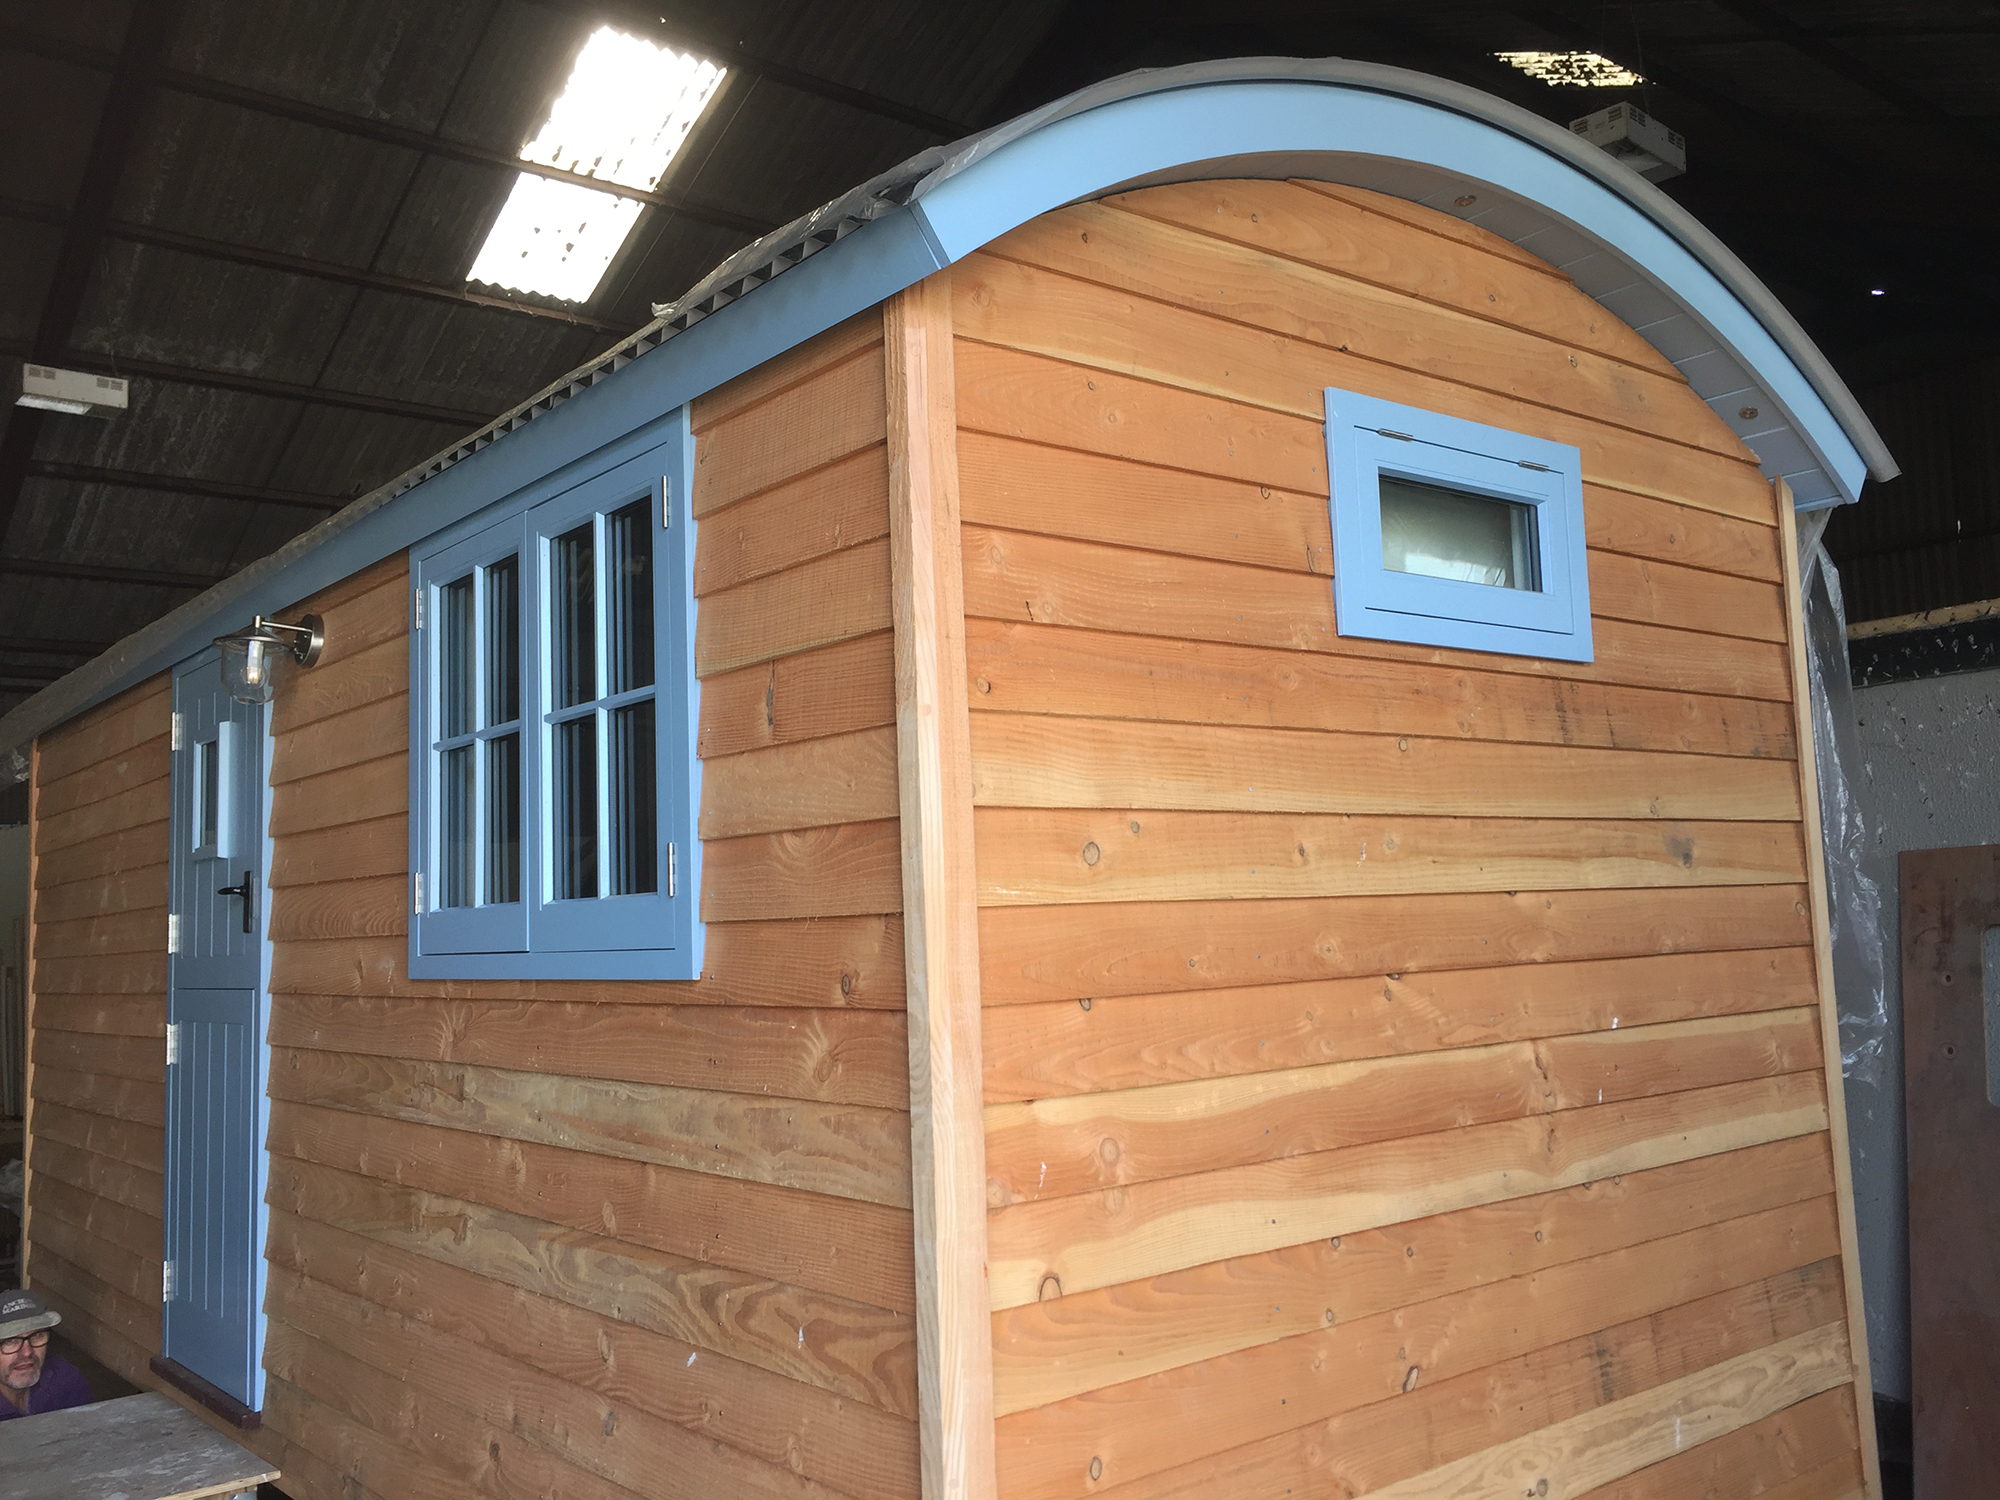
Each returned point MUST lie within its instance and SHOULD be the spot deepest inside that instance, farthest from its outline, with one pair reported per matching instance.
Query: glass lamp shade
(251, 658)
(248, 663)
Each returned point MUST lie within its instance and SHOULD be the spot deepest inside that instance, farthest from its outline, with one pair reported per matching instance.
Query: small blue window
(554, 783)
(1452, 533)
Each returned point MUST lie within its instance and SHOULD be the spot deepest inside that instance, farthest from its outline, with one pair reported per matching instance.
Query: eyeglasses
(39, 1339)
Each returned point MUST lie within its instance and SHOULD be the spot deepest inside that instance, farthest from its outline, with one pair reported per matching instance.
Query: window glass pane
(503, 641)
(635, 819)
(503, 818)
(628, 574)
(455, 832)
(1446, 533)
(573, 617)
(455, 647)
(573, 786)
(208, 792)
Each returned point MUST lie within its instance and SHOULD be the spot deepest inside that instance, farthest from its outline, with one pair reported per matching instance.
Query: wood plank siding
(1403, 1066)
(581, 1239)
(98, 1024)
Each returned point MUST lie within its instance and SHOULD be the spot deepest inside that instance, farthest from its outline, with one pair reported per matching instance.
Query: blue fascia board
(615, 414)
(1130, 139)
(589, 431)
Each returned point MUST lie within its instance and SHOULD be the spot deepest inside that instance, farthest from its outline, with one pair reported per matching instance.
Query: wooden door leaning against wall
(1951, 1062)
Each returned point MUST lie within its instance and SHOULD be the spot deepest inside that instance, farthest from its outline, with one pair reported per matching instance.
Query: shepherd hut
(1132, 815)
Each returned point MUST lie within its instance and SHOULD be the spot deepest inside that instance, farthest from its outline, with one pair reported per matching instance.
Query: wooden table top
(135, 1448)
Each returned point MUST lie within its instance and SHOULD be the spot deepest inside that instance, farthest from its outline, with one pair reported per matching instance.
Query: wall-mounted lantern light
(251, 658)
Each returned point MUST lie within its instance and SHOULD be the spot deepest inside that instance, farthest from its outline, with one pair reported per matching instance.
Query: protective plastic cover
(1854, 902)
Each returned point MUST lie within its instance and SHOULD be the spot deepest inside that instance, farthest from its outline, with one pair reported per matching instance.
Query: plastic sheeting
(1854, 901)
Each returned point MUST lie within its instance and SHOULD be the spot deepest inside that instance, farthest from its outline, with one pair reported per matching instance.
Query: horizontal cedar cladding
(97, 1081)
(619, 1238)
(1403, 1065)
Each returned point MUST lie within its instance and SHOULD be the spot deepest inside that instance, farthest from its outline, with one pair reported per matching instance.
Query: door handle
(243, 891)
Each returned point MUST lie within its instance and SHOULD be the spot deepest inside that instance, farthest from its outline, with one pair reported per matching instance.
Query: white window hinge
(1401, 437)
(173, 932)
(666, 503)
(180, 730)
(166, 1281)
(417, 894)
(672, 873)
(173, 1042)
(417, 609)
(1529, 463)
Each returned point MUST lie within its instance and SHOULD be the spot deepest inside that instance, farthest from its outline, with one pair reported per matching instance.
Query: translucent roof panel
(623, 116)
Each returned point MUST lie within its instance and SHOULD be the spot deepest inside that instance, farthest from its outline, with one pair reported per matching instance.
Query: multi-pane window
(554, 779)
(479, 736)
(603, 744)
(1453, 533)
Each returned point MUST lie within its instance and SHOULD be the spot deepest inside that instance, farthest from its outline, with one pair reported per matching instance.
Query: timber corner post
(940, 904)
(1829, 1011)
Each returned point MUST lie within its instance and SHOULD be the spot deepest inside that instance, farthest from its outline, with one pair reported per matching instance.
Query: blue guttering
(1128, 139)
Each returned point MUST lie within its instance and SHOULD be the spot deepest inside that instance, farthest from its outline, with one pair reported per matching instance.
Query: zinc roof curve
(1407, 134)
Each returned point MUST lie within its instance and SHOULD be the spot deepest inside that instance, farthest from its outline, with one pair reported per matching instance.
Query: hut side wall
(98, 966)
(592, 1239)
(619, 1236)
(1403, 1067)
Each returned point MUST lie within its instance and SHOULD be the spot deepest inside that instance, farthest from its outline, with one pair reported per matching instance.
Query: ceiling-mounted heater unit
(1636, 139)
(70, 391)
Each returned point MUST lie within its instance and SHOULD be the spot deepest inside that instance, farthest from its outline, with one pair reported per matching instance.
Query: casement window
(1453, 533)
(553, 776)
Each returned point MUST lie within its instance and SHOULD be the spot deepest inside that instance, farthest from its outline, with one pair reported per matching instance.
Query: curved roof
(1406, 134)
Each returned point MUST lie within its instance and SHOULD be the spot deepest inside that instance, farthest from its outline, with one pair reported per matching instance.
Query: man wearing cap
(32, 1379)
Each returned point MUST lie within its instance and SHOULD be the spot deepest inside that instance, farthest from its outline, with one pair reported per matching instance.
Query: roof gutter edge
(1462, 99)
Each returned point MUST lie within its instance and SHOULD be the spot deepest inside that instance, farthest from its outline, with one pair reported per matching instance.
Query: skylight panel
(623, 116)
(1585, 70)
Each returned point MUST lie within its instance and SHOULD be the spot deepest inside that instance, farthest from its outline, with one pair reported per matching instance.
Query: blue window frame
(1452, 533)
(554, 783)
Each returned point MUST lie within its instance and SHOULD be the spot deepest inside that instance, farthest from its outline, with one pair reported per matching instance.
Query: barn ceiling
(262, 213)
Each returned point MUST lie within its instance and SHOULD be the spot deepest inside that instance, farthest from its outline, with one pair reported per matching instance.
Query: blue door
(212, 1324)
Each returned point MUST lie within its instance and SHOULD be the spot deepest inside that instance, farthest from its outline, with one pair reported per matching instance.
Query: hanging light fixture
(251, 658)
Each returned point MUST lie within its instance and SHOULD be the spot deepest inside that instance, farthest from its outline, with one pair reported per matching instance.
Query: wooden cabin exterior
(1148, 1043)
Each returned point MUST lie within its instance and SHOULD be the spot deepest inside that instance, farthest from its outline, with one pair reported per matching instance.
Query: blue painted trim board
(1373, 602)
(1221, 125)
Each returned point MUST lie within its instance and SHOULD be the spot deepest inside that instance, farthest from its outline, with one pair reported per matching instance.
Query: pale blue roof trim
(1415, 137)
(1433, 142)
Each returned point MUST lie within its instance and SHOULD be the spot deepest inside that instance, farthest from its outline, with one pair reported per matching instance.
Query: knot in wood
(1050, 1289)
(1096, 1468)
(1092, 854)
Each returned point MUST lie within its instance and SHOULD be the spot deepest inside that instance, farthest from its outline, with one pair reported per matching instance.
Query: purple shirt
(62, 1386)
